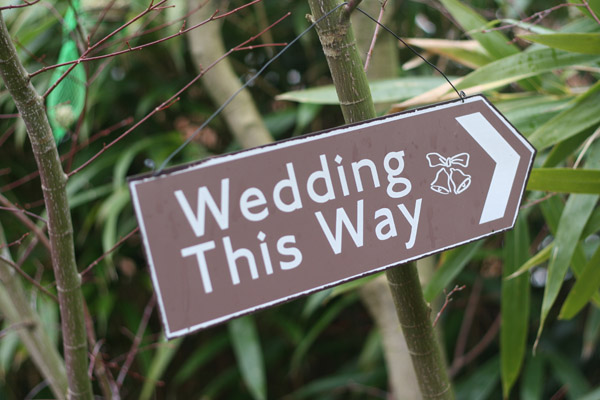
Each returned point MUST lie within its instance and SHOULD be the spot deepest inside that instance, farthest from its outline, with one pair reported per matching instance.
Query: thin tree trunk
(60, 228)
(206, 45)
(339, 46)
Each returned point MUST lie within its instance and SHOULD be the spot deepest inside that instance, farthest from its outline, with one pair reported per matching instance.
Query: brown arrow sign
(237, 233)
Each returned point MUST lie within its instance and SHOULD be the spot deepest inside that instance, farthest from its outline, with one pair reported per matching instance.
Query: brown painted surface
(445, 220)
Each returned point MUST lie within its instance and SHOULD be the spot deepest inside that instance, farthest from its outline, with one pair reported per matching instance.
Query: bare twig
(467, 322)
(21, 215)
(105, 11)
(19, 210)
(561, 393)
(375, 35)
(16, 242)
(538, 201)
(9, 116)
(446, 302)
(28, 278)
(485, 341)
(176, 95)
(83, 57)
(92, 139)
(157, 7)
(16, 326)
(586, 146)
(120, 242)
(587, 5)
(536, 17)
(27, 4)
(138, 339)
(6, 135)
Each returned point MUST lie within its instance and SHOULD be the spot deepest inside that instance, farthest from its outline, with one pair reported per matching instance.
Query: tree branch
(60, 229)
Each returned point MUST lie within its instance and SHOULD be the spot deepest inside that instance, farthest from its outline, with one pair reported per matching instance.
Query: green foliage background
(541, 279)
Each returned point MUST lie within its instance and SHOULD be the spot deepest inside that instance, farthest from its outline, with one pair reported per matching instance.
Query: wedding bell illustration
(449, 179)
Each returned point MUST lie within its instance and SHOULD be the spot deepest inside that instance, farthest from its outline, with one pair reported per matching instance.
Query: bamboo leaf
(529, 113)
(455, 262)
(496, 44)
(159, 364)
(480, 384)
(586, 43)
(568, 374)
(594, 5)
(532, 387)
(541, 257)
(248, 353)
(515, 306)
(582, 115)
(309, 338)
(466, 52)
(591, 333)
(200, 357)
(522, 65)
(383, 91)
(586, 286)
(565, 180)
(572, 221)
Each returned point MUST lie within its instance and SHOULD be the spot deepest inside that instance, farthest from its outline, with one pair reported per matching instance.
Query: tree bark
(60, 228)
(206, 45)
(339, 46)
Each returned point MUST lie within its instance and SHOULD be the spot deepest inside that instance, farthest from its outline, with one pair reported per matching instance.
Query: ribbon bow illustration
(449, 179)
(437, 160)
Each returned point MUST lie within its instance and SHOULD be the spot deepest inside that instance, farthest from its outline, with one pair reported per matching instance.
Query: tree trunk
(339, 46)
(241, 115)
(60, 228)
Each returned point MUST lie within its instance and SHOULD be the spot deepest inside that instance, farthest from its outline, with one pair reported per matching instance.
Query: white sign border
(135, 181)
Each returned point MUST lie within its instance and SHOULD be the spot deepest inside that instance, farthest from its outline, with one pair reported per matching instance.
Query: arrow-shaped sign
(237, 233)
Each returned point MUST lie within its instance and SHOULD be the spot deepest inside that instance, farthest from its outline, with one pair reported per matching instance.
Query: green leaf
(593, 395)
(315, 330)
(582, 115)
(496, 44)
(529, 113)
(315, 301)
(594, 5)
(383, 91)
(561, 151)
(591, 333)
(586, 43)
(568, 374)
(200, 357)
(466, 52)
(572, 221)
(480, 384)
(159, 364)
(514, 306)
(532, 386)
(541, 257)
(587, 284)
(456, 260)
(565, 180)
(522, 65)
(248, 353)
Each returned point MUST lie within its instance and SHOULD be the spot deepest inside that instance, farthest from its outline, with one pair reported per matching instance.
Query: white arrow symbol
(505, 157)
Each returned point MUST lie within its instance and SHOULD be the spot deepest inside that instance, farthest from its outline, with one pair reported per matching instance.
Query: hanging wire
(151, 164)
(245, 85)
(460, 94)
